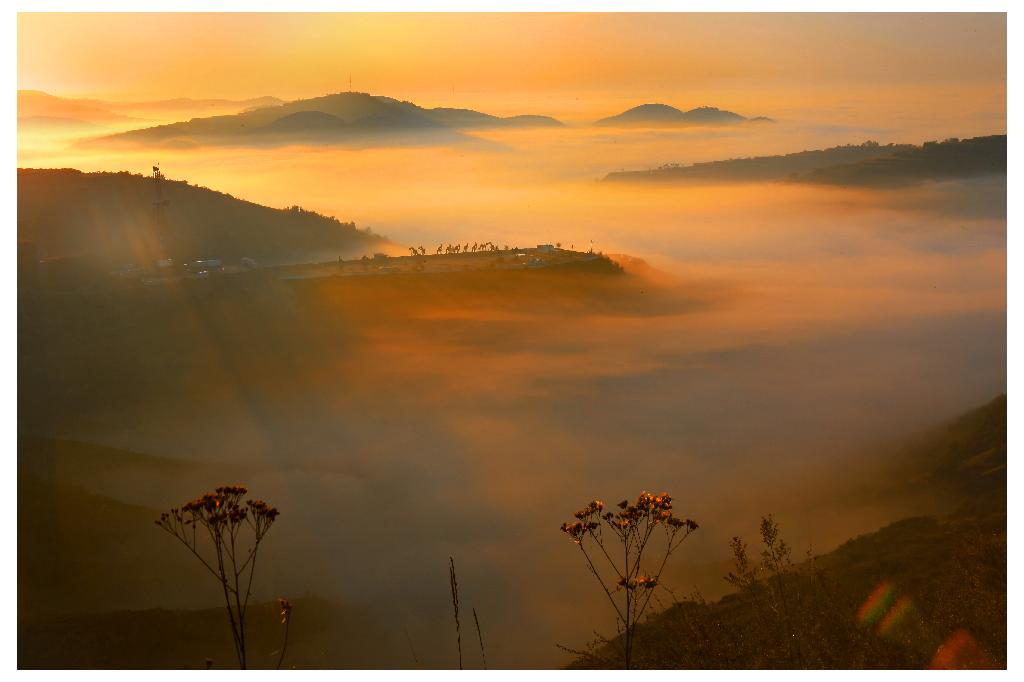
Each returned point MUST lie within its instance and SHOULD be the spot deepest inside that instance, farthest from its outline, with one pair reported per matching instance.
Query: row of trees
(475, 247)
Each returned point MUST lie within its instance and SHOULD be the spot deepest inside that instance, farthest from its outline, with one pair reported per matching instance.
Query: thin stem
(227, 601)
(480, 637)
(606, 555)
(590, 564)
(629, 616)
(252, 569)
(191, 548)
(284, 646)
(412, 649)
(455, 603)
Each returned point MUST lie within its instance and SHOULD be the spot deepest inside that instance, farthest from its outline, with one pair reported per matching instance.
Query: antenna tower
(159, 203)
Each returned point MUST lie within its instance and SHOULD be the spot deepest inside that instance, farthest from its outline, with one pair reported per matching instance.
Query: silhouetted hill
(341, 117)
(665, 115)
(108, 217)
(190, 105)
(34, 104)
(867, 164)
(711, 116)
(307, 120)
(467, 119)
(949, 159)
(57, 124)
(759, 168)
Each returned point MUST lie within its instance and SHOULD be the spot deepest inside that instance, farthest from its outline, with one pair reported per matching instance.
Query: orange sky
(517, 61)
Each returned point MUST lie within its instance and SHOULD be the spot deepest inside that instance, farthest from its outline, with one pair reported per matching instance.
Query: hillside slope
(109, 217)
(758, 168)
(921, 592)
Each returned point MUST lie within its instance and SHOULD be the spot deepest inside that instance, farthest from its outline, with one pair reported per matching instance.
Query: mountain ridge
(659, 114)
(35, 104)
(354, 115)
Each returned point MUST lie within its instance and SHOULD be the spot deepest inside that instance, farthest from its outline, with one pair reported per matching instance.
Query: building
(212, 264)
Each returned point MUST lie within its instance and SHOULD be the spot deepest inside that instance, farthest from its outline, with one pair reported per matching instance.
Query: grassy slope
(952, 570)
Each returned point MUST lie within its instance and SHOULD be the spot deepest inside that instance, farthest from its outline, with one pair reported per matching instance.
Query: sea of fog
(827, 325)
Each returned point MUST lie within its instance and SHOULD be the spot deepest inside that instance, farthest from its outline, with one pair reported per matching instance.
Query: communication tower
(159, 203)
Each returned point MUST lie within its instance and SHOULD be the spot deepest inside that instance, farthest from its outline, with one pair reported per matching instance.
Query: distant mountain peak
(657, 114)
(655, 107)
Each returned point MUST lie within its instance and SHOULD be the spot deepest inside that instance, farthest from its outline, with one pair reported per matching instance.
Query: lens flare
(877, 604)
(961, 651)
(896, 615)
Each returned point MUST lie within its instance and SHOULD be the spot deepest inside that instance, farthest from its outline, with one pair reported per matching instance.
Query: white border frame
(8, 353)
